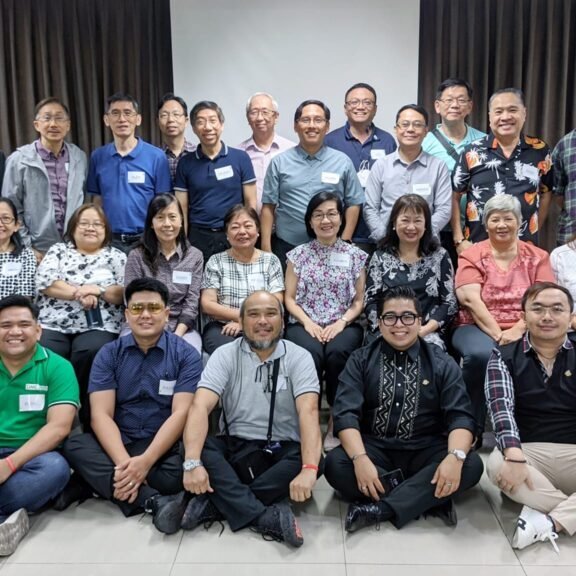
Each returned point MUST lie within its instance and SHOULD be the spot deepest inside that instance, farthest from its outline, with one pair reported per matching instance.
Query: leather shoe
(445, 511)
(362, 515)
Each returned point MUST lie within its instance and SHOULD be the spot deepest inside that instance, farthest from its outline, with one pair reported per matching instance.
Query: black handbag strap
(275, 372)
(444, 141)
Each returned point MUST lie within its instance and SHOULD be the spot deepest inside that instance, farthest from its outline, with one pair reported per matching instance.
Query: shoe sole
(12, 530)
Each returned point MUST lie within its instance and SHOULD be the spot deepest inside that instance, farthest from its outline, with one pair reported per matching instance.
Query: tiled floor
(94, 539)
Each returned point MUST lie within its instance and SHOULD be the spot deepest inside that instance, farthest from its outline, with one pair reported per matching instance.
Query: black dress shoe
(77, 490)
(445, 511)
(362, 515)
(167, 511)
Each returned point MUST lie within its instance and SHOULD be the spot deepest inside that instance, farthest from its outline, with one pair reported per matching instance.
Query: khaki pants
(553, 474)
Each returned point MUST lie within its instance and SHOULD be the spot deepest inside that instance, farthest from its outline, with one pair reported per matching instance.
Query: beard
(263, 344)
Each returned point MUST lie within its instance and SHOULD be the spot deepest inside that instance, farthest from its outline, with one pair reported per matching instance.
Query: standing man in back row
(127, 173)
(363, 143)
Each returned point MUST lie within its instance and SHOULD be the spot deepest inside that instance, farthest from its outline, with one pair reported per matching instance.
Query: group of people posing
(323, 264)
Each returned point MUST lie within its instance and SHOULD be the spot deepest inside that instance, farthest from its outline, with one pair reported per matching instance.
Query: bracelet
(310, 467)
(8, 461)
(345, 320)
(515, 461)
(458, 242)
(356, 456)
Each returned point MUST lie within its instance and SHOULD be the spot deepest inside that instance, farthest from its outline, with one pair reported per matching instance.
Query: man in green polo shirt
(38, 402)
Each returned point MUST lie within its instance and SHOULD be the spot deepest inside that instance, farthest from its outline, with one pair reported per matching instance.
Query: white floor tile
(411, 570)
(260, 570)
(550, 570)
(87, 570)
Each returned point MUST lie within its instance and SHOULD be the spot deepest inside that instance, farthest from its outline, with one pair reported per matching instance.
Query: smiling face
(207, 127)
(8, 223)
(410, 129)
(19, 333)
(410, 227)
(360, 106)
(52, 123)
(454, 104)
(172, 119)
(502, 227)
(312, 127)
(400, 336)
(261, 116)
(146, 315)
(242, 231)
(262, 321)
(326, 221)
(548, 316)
(122, 119)
(507, 116)
(167, 224)
(90, 231)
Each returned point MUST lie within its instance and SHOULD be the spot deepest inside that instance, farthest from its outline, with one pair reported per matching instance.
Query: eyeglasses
(137, 308)
(161, 218)
(264, 111)
(7, 220)
(117, 114)
(56, 119)
(355, 102)
(167, 115)
(540, 309)
(390, 319)
(316, 121)
(84, 225)
(417, 125)
(450, 101)
(319, 216)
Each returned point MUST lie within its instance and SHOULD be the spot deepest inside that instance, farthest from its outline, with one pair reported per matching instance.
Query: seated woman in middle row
(409, 255)
(232, 275)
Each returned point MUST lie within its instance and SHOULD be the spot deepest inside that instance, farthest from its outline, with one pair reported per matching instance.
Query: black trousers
(329, 358)
(415, 495)
(208, 241)
(213, 338)
(80, 349)
(240, 503)
(280, 248)
(87, 457)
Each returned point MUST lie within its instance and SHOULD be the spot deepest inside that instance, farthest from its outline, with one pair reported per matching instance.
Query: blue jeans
(37, 482)
(474, 347)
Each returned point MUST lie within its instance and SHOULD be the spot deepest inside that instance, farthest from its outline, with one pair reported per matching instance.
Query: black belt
(206, 229)
(127, 238)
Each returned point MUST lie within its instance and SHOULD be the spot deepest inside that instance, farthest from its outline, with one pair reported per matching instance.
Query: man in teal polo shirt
(38, 402)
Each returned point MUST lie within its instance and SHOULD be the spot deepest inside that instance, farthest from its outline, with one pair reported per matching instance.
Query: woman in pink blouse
(491, 278)
(325, 280)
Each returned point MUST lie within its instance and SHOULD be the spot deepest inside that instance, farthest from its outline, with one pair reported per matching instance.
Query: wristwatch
(460, 454)
(189, 465)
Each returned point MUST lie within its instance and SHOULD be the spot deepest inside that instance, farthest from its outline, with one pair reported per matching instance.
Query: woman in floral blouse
(409, 255)
(76, 279)
(325, 281)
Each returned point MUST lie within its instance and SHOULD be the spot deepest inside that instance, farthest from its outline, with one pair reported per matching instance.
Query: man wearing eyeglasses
(46, 179)
(141, 387)
(127, 173)
(408, 170)
(405, 422)
(172, 121)
(262, 115)
(295, 176)
(363, 143)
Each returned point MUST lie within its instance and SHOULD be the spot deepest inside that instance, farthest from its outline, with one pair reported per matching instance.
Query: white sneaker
(532, 527)
(12, 530)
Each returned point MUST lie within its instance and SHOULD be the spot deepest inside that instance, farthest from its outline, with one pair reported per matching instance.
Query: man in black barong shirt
(401, 404)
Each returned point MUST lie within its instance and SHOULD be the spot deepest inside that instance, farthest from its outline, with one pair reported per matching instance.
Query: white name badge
(256, 282)
(421, 189)
(166, 387)
(530, 172)
(11, 268)
(224, 172)
(136, 177)
(37, 387)
(181, 277)
(101, 275)
(32, 402)
(330, 178)
(363, 177)
(377, 154)
(340, 260)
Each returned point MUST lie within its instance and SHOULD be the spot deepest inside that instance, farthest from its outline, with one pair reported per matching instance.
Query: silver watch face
(191, 464)
(460, 454)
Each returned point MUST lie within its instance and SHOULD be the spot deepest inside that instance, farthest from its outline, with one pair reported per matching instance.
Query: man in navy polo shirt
(363, 143)
(211, 180)
(126, 174)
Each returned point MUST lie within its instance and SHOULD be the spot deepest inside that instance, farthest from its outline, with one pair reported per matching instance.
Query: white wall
(225, 50)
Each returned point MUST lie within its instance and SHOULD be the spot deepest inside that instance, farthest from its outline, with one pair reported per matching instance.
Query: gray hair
(503, 203)
(274, 103)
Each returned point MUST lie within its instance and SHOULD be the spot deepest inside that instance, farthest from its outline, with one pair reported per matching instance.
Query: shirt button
(397, 403)
(399, 385)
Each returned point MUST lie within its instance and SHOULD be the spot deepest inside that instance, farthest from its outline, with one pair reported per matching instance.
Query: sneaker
(12, 530)
(278, 523)
(77, 490)
(362, 515)
(533, 526)
(200, 510)
(167, 511)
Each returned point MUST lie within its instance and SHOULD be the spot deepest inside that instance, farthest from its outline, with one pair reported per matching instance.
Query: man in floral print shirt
(506, 161)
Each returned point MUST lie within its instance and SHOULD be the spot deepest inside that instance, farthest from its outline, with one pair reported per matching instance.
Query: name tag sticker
(530, 172)
(37, 387)
(363, 177)
(330, 178)
(166, 387)
(101, 275)
(377, 154)
(181, 277)
(32, 402)
(224, 172)
(256, 282)
(340, 260)
(421, 189)
(11, 268)
(136, 177)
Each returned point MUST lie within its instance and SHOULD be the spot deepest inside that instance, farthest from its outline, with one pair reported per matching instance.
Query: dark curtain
(81, 51)
(529, 44)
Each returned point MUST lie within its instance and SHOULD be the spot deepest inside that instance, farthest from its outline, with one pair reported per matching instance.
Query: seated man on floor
(405, 423)
(531, 396)
(141, 388)
(269, 446)
(38, 402)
